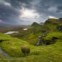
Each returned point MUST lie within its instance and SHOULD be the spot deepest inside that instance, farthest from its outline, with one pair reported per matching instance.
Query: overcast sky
(17, 12)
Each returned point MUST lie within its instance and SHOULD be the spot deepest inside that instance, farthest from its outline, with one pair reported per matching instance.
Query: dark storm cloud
(19, 3)
(7, 13)
(50, 7)
(9, 9)
(60, 8)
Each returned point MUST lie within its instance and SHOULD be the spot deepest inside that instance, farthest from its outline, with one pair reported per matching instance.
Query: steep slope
(53, 23)
(11, 45)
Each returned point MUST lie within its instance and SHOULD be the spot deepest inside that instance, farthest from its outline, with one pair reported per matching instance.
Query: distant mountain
(35, 24)
(51, 20)
(54, 21)
(49, 23)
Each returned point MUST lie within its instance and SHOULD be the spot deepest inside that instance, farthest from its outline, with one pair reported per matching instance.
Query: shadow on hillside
(42, 41)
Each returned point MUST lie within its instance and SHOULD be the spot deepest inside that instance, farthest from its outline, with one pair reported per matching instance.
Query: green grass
(12, 45)
(50, 53)
(54, 34)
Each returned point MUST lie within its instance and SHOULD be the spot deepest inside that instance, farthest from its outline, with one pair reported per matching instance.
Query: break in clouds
(20, 12)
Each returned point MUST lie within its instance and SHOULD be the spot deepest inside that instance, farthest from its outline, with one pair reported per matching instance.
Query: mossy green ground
(50, 53)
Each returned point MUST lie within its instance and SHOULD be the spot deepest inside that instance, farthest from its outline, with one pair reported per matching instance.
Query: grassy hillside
(49, 53)
(12, 45)
(50, 31)
(54, 34)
